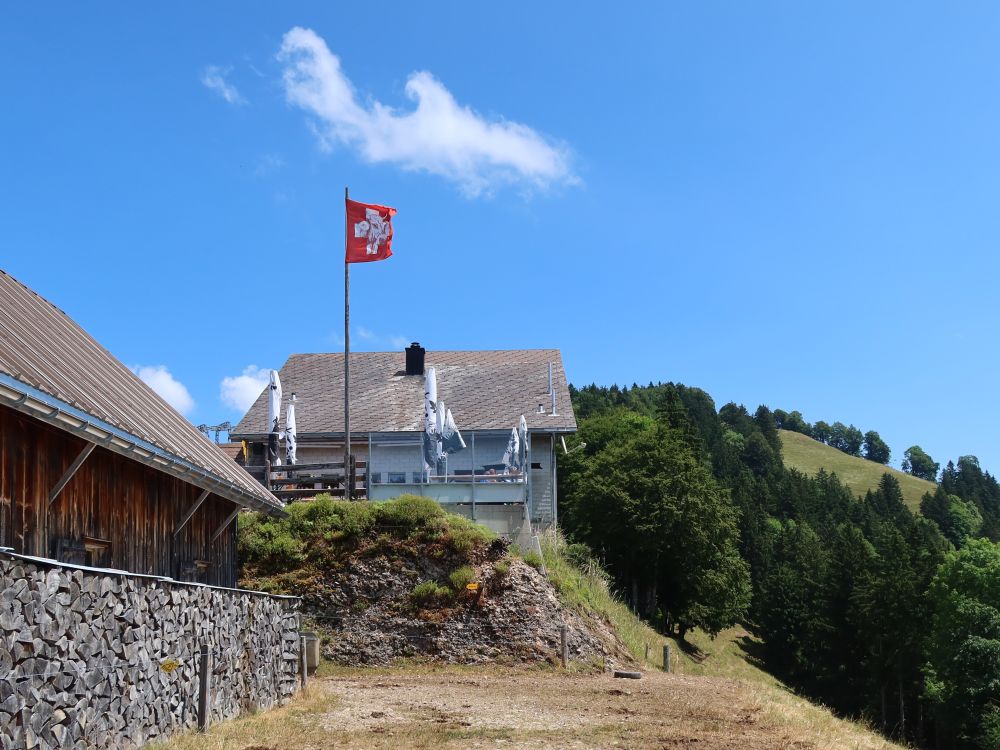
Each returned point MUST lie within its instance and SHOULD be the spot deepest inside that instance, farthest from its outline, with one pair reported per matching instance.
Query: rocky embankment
(366, 613)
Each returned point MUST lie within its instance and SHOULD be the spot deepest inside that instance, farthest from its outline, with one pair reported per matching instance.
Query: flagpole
(347, 357)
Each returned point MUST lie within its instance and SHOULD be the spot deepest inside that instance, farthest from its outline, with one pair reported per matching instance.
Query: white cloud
(170, 389)
(240, 391)
(214, 79)
(393, 341)
(439, 136)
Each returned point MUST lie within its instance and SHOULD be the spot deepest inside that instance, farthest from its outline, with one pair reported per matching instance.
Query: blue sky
(783, 203)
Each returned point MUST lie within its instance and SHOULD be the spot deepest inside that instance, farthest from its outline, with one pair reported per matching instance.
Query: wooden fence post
(204, 673)
(304, 665)
(666, 658)
(647, 652)
(565, 646)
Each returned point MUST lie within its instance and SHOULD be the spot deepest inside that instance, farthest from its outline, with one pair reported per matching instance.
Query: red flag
(369, 232)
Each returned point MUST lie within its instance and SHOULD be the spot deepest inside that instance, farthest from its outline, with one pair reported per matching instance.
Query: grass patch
(430, 594)
(315, 531)
(296, 724)
(583, 585)
(533, 559)
(804, 454)
(461, 577)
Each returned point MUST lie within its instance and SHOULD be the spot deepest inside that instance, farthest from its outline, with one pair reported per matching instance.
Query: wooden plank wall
(133, 506)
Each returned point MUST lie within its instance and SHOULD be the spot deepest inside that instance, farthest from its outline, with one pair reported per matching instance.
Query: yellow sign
(472, 586)
(169, 665)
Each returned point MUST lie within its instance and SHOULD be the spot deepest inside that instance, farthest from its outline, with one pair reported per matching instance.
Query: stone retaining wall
(82, 653)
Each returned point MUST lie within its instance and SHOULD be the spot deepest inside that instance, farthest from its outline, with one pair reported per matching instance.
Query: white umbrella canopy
(273, 414)
(451, 438)
(291, 434)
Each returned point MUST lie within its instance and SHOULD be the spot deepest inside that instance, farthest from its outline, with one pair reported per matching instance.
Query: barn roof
(485, 390)
(54, 370)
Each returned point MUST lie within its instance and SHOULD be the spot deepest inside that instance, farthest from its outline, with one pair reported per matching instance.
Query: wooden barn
(96, 469)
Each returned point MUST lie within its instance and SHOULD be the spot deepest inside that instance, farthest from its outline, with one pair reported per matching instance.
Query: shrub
(466, 535)
(534, 560)
(578, 554)
(429, 593)
(268, 546)
(408, 513)
(461, 577)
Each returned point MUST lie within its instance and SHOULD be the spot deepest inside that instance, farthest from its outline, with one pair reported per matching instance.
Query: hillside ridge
(807, 455)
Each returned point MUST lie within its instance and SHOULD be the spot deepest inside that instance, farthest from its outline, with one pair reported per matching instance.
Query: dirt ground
(402, 709)
(426, 706)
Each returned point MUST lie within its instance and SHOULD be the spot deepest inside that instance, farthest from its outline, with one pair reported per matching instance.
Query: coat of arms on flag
(369, 232)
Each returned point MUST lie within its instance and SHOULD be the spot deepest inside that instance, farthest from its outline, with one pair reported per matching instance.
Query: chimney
(415, 359)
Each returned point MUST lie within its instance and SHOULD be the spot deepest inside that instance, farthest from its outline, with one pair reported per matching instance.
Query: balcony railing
(456, 489)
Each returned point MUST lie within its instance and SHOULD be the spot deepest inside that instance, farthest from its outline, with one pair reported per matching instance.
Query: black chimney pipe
(415, 359)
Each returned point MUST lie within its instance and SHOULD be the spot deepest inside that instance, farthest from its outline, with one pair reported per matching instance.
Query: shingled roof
(54, 370)
(485, 390)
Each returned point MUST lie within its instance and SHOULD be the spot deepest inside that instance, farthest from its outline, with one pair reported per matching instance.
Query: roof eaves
(29, 400)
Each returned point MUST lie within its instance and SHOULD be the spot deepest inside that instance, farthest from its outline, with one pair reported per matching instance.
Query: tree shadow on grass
(692, 651)
(753, 652)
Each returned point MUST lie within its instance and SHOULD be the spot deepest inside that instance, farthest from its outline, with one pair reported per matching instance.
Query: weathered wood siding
(132, 506)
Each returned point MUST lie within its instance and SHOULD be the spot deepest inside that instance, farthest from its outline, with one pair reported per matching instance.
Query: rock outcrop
(366, 613)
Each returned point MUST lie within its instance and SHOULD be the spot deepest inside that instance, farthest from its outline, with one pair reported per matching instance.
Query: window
(70, 551)
(375, 477)
(87, 550)
(194, 570)
(419, 477)
(397, 477)
(98, 551)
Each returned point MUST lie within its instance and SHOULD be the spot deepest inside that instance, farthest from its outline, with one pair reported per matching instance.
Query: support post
(564, 646)
(73, 468)
(191, 511)
(303, 663)
(555, 484)
(368, 469)
(204, 674)
(666, 658)
(347, 352)
(646, 658)
(473, 490)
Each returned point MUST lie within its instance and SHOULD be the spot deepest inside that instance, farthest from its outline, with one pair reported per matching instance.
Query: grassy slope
(308, 720)
(809, 456)
(725, 656)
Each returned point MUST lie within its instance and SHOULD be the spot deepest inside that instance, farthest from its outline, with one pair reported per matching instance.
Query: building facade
(486, 391)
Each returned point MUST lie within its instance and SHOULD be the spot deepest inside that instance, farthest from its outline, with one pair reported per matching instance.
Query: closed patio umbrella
(522, 436)
(431, 435)
(512, 454)
(515, 457)
(273, 414)
(291, 434)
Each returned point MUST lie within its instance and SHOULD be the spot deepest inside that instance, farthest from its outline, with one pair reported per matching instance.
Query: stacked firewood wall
(98, 660)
